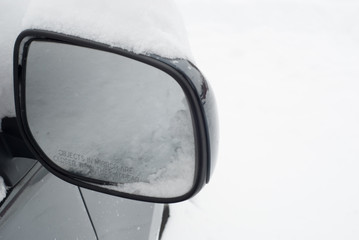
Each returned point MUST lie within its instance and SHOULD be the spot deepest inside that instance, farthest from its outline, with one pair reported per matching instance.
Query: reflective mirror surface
(105, 117)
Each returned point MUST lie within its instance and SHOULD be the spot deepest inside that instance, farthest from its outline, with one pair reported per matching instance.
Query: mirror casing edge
(202, 141)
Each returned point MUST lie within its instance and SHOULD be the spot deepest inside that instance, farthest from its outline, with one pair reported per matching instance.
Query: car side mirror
(103, 118)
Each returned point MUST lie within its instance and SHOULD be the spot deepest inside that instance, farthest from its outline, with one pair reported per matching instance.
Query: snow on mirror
(110, 118)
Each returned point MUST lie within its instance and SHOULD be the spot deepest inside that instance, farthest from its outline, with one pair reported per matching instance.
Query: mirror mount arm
(12, 140)
(15, 157)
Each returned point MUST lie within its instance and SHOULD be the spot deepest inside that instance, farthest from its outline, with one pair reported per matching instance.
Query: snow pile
(141, 26)
(2, 189)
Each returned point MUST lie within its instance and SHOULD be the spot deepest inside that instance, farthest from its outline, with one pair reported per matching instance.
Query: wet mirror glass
(106, 117)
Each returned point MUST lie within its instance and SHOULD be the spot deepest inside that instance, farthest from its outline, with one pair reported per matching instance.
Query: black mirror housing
(192, 84)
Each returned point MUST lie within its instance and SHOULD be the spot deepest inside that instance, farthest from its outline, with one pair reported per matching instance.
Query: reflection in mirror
(106, 117)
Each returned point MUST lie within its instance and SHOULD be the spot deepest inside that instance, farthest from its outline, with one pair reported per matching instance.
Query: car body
(41, 206)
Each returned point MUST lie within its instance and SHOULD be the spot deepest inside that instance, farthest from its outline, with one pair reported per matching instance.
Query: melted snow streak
(2, 189)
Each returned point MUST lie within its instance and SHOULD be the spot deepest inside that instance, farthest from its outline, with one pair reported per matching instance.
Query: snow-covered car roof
(141, 26)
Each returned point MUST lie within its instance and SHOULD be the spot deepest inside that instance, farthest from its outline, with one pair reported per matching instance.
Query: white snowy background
(286, 77)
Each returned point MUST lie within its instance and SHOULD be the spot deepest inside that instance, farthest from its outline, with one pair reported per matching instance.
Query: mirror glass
(110, 118)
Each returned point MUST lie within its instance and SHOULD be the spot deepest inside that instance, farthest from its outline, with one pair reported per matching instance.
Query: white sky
(285, 75)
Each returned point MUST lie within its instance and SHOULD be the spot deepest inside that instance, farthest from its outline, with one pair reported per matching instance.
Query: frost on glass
(110, 118)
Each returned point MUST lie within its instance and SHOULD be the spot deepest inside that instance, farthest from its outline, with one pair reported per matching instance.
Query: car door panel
(42, 206)
(119, 218)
